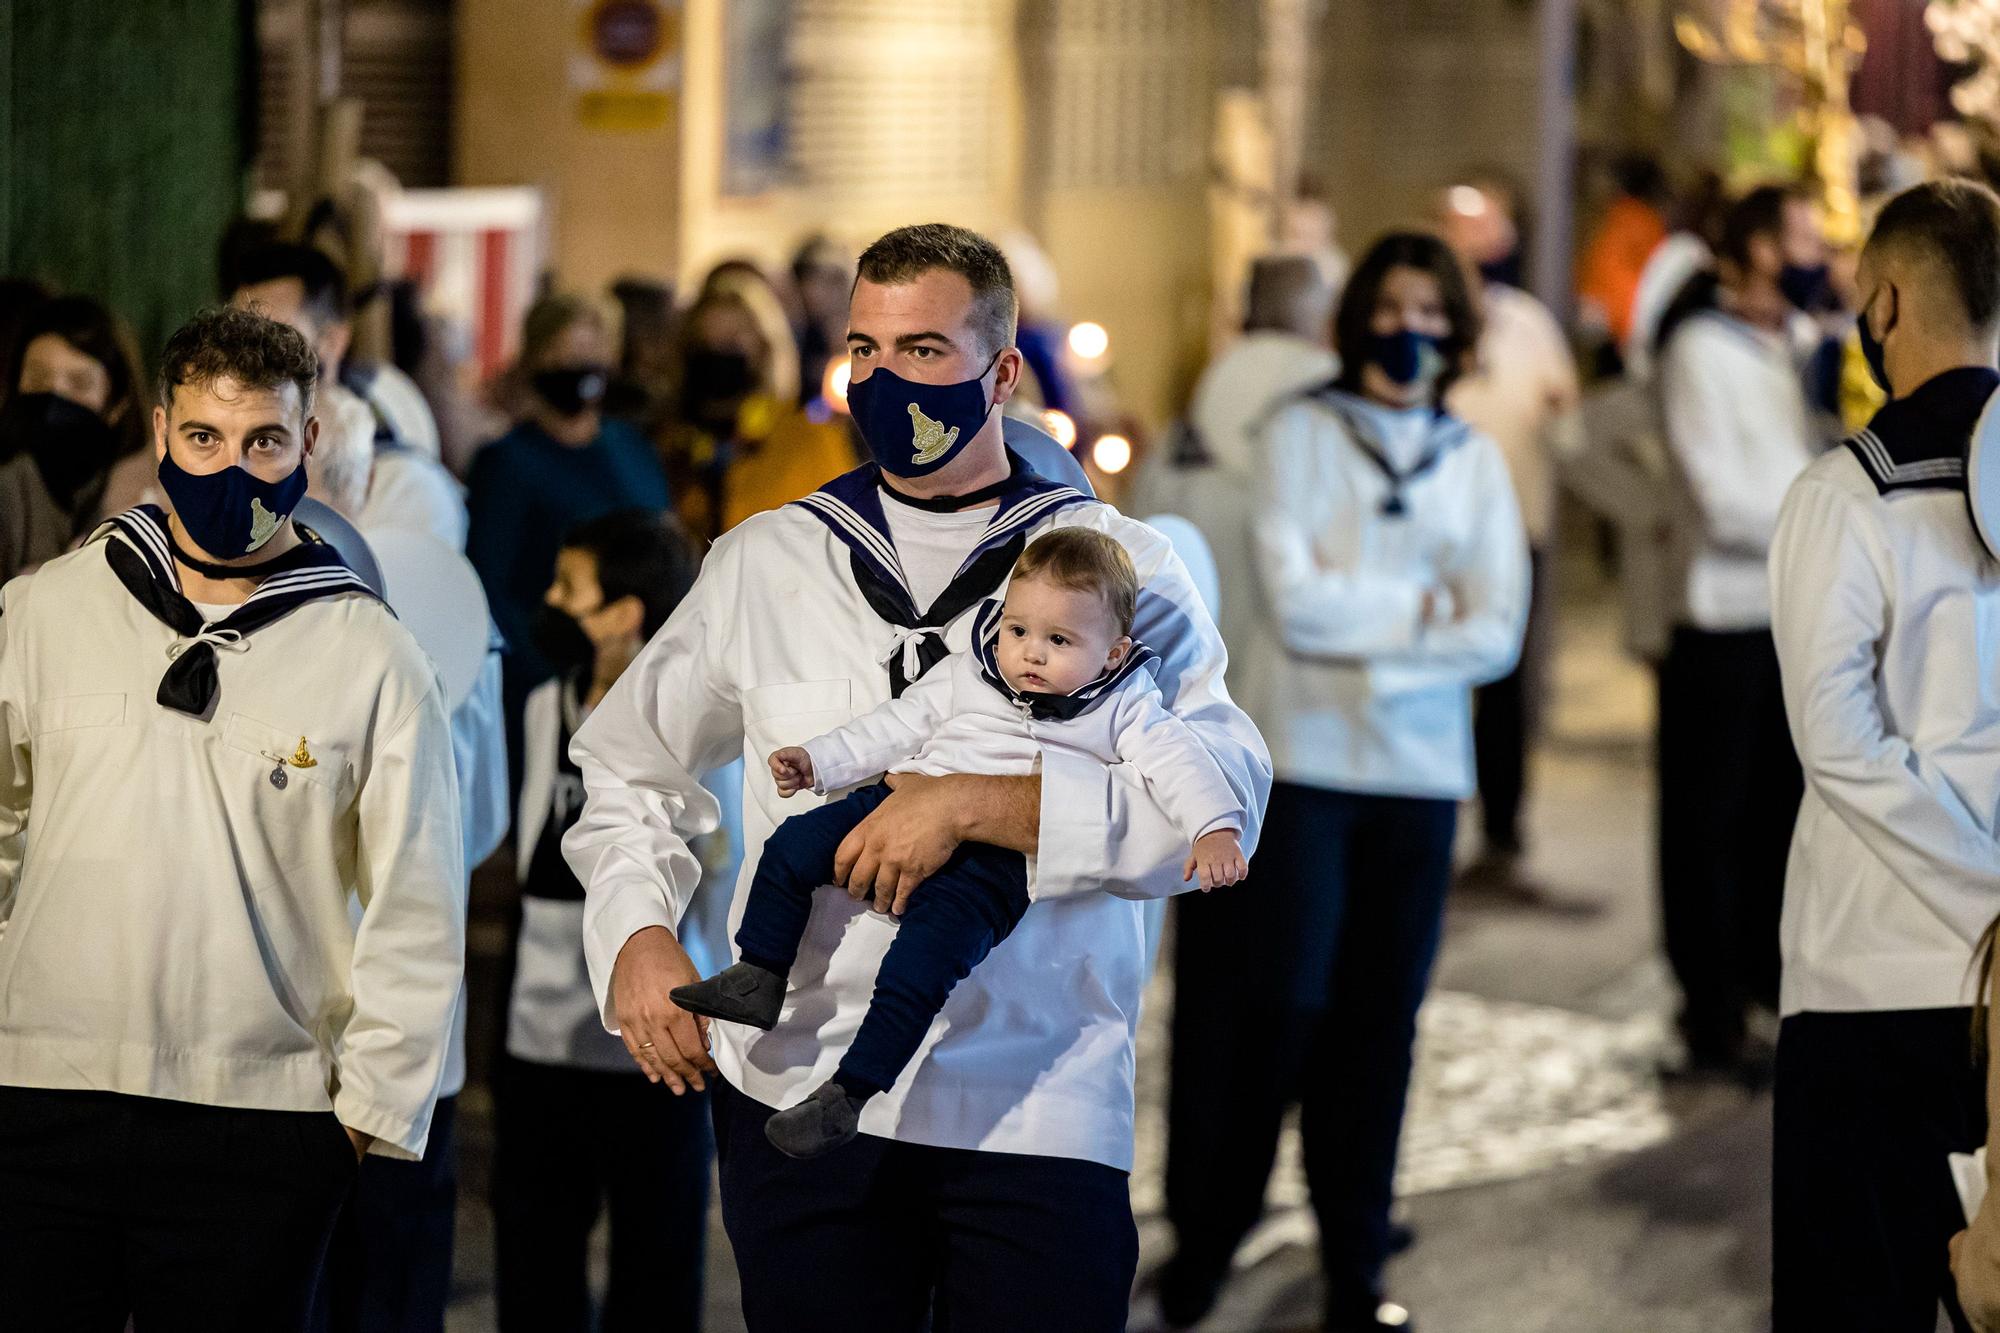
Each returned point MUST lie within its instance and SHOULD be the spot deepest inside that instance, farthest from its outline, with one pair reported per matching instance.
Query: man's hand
(1218, 858)
(668, 1043)
(903, 843)
(792, 770)
(362, 1142)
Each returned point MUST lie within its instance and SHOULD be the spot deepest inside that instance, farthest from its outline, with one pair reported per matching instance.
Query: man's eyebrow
(928, 335)
(854, 337)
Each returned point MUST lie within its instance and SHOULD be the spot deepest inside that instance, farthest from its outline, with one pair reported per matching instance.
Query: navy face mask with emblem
(230, 513)
(572, 390)
(914, 429)
(1406, 356)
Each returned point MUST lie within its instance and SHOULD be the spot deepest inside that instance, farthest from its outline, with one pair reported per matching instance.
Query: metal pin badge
(278, 777)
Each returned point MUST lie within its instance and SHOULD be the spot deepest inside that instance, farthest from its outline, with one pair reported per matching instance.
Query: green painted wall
(122, 133)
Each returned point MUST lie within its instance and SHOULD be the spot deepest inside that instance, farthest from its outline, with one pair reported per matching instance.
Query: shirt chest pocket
(72, 712)
(775, 716)
(320, 765)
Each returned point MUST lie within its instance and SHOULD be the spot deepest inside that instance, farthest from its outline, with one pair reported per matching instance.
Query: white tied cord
(227, 640)
(908, 643)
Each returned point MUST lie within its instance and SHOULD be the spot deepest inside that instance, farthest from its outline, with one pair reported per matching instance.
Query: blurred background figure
(1632, 225)
(73, 431)
(403, 485)
(1204, 472)
(822, 278)
(1520, 392)
(563, 463)
(737, 441)
(1739, 430)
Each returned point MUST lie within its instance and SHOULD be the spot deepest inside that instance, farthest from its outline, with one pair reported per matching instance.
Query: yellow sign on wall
(626, 67)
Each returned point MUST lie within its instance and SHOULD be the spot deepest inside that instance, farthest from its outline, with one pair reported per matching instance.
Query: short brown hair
(226, 343)
(1085, 560)
(907, 253)
(1954, 227)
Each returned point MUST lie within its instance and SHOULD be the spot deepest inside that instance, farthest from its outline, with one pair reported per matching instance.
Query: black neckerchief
(949, 504)
(139, 551)
(851, 507)
(275, 565)
(1046, 707)
(1446, 433)
(1918, 442)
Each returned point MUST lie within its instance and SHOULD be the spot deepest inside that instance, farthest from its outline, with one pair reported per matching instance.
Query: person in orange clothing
(1633, 225)
(738, 441)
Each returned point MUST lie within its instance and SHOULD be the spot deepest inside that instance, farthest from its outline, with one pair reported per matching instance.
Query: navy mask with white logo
(914, 429)
(230, 513)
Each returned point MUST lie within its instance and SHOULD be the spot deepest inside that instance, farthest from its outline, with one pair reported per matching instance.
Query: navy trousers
(972, 903)
(1868, 1106)
(388, 1269)
(572, 1145)
(1729, 795)
(1309, 975)
(879, 1236)
(181, 1217)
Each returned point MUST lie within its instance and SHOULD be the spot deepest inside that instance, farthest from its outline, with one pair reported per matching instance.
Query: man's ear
(1008, 381)
(159, 434)
(311, 436)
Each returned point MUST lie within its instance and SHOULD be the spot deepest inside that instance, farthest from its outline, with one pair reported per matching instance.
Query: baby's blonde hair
(1085, 560)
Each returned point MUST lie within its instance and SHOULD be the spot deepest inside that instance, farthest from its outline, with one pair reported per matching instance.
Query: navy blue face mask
(1873, 352)
(230, 513)
(914, 429)
(1406, 356)
(1809, 287)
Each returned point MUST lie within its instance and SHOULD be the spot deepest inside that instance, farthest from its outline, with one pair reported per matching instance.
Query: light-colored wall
(613, 195)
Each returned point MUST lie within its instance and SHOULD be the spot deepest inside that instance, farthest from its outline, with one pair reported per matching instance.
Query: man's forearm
(1001, 811)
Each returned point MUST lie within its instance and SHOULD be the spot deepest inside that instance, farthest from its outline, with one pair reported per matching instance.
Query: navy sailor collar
(1918, 441)
(851, 507)
(139, 551)
(1046, 707)
(1444, 432)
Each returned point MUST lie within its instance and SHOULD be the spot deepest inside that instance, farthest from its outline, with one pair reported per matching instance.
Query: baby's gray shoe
(744, 993)
(819, 1124)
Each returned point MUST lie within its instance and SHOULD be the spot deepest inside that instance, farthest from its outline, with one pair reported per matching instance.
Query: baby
(1056, 668)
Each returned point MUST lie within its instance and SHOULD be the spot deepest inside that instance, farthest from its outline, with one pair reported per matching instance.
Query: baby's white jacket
(963, 718)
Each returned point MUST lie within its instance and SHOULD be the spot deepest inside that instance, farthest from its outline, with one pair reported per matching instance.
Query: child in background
(570, 1101)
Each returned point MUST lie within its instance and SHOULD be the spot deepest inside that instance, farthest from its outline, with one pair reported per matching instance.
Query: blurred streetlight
(1060, 426)
(833, 388)
(1111, 454)
(1088, 342)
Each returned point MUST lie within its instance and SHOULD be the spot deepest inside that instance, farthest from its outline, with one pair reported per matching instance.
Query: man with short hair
(1738, 430)
(406, 486)
(989, 1184)
(1883, 604)
(212, 735)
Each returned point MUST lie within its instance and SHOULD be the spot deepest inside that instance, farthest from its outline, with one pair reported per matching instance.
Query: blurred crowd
(1709, 352)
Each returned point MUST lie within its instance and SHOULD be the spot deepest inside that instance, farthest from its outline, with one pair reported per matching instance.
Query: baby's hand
(792, 769)
(1218, 856)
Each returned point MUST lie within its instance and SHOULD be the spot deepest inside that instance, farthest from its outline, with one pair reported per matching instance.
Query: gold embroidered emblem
(932, 440)
(301, 757)
(263, 524)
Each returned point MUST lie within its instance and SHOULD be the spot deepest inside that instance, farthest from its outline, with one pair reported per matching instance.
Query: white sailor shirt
(174, 888)
(791, 631)
(1886, 612)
